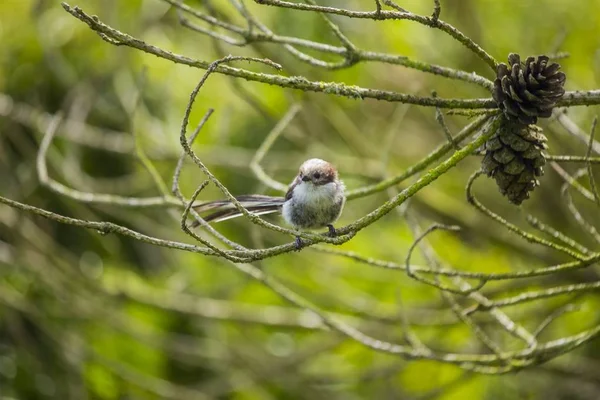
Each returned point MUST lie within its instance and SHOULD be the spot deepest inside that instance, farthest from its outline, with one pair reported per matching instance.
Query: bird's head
(317, 172)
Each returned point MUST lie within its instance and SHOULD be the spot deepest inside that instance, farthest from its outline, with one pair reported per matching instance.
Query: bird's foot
(332, 231)
(299, 244)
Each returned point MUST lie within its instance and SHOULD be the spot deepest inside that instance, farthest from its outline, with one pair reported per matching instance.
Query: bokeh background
(90, 316)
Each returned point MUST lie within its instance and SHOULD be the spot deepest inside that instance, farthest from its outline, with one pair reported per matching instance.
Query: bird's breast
(312, 195)
(313, 206)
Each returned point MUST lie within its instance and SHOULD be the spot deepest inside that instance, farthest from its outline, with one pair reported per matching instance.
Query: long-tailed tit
(315, 199)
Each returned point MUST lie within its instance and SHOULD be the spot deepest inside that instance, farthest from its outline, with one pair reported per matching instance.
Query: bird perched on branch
(315, 199)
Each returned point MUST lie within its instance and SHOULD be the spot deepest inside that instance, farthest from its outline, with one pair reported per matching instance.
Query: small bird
(315, 199)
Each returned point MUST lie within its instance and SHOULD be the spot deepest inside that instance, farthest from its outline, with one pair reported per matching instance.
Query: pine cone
(514, 159)
(528, 91)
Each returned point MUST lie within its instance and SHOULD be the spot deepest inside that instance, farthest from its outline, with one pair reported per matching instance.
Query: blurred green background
(87, 316)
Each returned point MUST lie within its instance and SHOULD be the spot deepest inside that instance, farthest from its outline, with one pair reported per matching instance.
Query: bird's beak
(306, 178)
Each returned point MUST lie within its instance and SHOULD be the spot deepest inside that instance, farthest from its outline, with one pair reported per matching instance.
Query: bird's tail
(224, 209)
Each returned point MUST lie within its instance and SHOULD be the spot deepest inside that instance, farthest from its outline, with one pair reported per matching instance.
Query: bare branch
(295, 82)
(394, 15)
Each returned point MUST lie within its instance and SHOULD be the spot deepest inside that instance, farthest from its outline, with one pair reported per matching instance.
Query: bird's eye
(317, 175)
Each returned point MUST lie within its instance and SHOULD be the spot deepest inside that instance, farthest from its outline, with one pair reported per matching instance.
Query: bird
(315, 199)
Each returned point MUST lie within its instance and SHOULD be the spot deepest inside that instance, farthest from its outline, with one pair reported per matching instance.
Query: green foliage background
(104, 317)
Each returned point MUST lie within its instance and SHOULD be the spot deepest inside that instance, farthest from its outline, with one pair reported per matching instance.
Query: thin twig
(87, 197)
(435, 282)
(552, 317)
(536, 223)
(437, 9)
(513, 228)
(177, 192)
(394, 15)
(439, 117)
(551, 270)
(571, 181)
(593, 187)
(420, 166)
(266, 146)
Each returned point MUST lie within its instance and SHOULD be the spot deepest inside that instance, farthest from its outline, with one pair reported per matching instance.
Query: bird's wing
(290, 191)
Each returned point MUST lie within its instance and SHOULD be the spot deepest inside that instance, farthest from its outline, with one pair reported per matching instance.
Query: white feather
(315, 197)
(240, 214)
